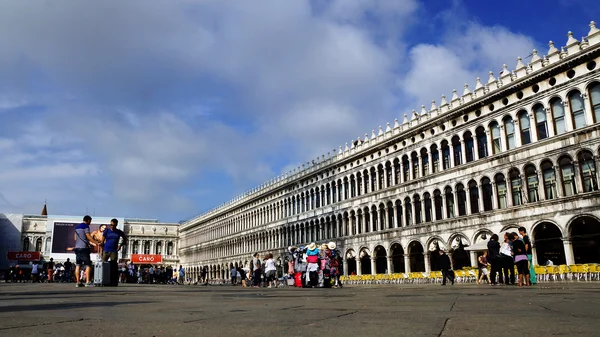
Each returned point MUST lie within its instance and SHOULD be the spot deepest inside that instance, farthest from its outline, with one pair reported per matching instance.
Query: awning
(481, 245)
(24, 256)
(146, 258)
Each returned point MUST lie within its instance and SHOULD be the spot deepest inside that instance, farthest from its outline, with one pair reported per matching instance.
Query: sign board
(146, 258)
(24, 256)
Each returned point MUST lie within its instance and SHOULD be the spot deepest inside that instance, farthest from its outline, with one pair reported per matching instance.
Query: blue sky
(166, 109)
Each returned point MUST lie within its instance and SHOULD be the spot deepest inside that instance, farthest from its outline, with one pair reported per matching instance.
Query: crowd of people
(497, 264)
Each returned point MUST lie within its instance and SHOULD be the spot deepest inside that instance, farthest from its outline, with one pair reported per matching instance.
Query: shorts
(270, 275)
(82, 257)
(106, 255)
(523, 267)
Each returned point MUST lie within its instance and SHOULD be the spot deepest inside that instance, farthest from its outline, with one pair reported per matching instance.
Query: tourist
(271, 271)
(83, 240)
(243, 275)
(520, 253)
(549, 263)
(110, 240)
(233, 273)
(483, 265)
(508, 263)
(50, 270)
(494, 253)
(527, 241)
(35, 273)
(68, 270)
(446, 268)
(334, 264)
(256, 265)
(181, 275)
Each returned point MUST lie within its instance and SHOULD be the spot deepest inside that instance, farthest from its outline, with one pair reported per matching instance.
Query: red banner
(146, 258)
(24, 256)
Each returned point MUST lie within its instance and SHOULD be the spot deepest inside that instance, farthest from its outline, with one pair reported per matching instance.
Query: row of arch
(533, 182)
(556, 116)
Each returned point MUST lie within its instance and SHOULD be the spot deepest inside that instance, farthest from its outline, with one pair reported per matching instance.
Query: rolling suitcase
(106, 274)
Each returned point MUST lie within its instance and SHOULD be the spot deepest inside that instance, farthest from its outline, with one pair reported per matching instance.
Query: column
(480, 199)
(406, 263)
(494, 195)
(503, 145)
(390, 269)
(532, 128)
(444, 206)
(364, 223)
(473, 255)
(549, 121)
(534, 260)
(578, 177)
(568, 251)
(451, 149)
(468, 209)
(488, 138)
(358, 266)
(373, 266)
(463, 152)
(411, 171)
(396, 220)
(427, 262)
(518, 132)
(451, 260)
(345, 266)
(430, 159)
(419, 166)
(587, 106)
(568, 116)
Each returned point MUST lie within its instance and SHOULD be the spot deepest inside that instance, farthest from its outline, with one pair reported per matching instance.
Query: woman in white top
(271, 271)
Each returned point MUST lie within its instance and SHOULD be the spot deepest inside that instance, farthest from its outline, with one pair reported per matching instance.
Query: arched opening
(509, 129)
(438, 203)
(457, 150)
(367, 219)
(588, 171)
(501, 190)
(359, 221)
(414, 158)
(417, 259)
(541, 124)
(365, 181)
(567, 171)
(38, 245)
(445, 155)
(359, 190)
(558, 115)
(407, 212)
(449, 202)
(482, 149)
(548, 243)
(525, 128)
(486, 186)
(585, 236)
(460, 257)
(474, 196)
(424, 162)
(435, 158)
(577, 110)
(496, 138)
(373, 182)
(380, 260)
(515, 187)
(469, 146)
(594, 93)
(375, 216)
(26, 244)
(380, 177)
(391, 221)
(365, 261)
(427, 205)
(462, 199)
(417, 215)
(147, 247)
(388, 175)
(159, 248)
(397, 258)
(549, 177)
(351, 262)
(397, 171)
(398, 213)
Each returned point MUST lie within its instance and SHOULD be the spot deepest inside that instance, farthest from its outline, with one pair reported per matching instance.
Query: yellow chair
(541, 272)
(563, 271)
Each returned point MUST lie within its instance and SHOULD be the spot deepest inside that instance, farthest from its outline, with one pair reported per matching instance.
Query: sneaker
(79, 285)
(89, 284)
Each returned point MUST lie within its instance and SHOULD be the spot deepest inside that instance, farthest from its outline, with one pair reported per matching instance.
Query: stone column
(411, 170)
(533, 128)
(517, 131)
(489, 144)
(468, 209)
(587, 106)
(419, 166)
(480, 199)
(568, 116)
(373, 266)
(578, 176)
(503, 145)
(364, 223)
(463, 152)
(568, 251)
(473, 255)
(430, 159)
(427, 262)
(451, 148)
(534, 256)
(390, 269)
(549, 121)
(494, 195)
(358, 266)
(406, 263)
(444, 206)
(345, 266)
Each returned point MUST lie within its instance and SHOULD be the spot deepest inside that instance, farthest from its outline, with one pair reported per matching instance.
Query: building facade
(519, 149)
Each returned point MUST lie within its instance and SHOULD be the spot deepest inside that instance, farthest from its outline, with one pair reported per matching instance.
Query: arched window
(469, 147)
(424, 162)
(366, 181)
(532, 184)
(449, 202)
(457, 150)
(358, 184)
(462, 199)
(407, 212)
(595, 101)
(445, 155)
(346, 189)
(558, 114)
(437, 200)
(396, 171)
(524, 124)
(399, 213)
(427, 204)
(577, 111)
(515, 187)
(588, 171)
(549, 180)
(540, 122)
(136, 247)
(405, 168)
(481, 142)
(38, 245)
(435, 157)
(567, 172)
(26, 245)
(486, 186)
(495, 129)
(158, 248)
(417, 216)
(381, 177)
(415, 164)
(373, 179)
(147, 247)
(352, 187)
(501, 190)
(474, 197)
(509, 127)
(388, 174)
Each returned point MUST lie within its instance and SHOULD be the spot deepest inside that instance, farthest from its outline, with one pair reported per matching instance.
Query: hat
(312, 246)
(331, 245)
(323, 246)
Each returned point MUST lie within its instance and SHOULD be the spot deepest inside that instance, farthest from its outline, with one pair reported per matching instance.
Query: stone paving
(566, 309)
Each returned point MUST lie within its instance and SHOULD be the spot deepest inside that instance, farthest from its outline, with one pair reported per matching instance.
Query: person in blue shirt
(83, 240)
(110, 239)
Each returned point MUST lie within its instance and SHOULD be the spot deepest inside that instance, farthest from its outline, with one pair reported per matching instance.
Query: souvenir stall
(313, 266)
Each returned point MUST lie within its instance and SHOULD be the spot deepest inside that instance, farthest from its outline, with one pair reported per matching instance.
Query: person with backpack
(256, 271)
